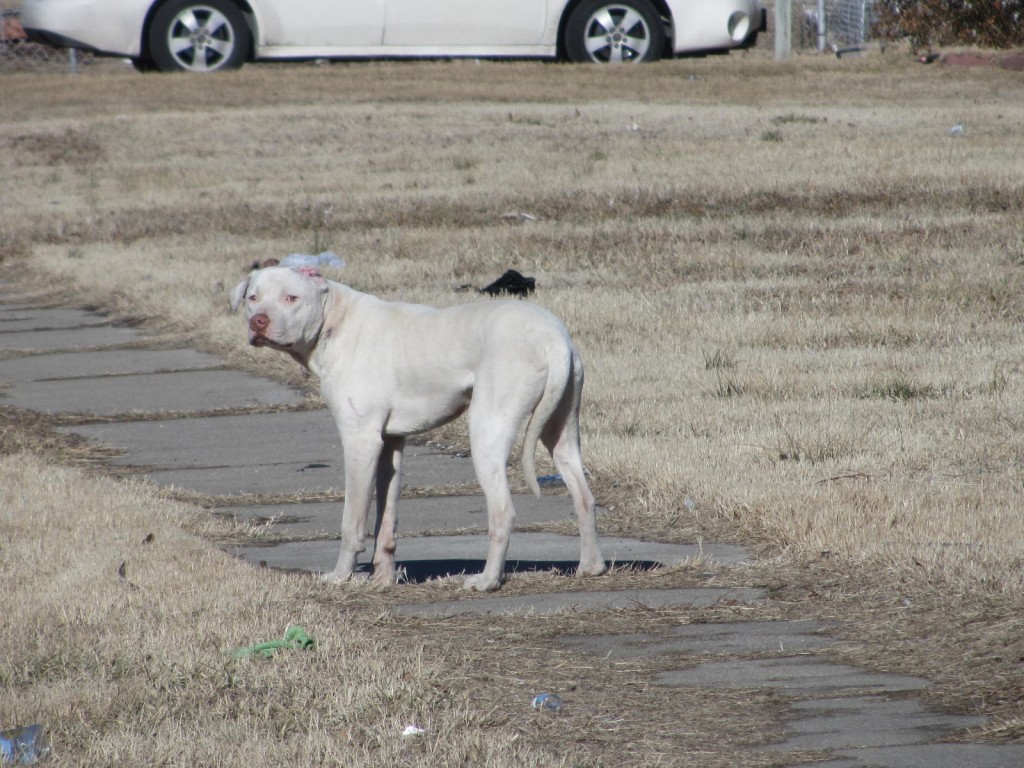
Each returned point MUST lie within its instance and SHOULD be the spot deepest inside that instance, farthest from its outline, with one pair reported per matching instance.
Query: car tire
(199, 36)
(143, 64)
(605, 31)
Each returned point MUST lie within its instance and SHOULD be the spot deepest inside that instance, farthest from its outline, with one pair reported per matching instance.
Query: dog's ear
(238, 293)
(313, 274)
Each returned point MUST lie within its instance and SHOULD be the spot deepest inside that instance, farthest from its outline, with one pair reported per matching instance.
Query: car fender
(73, 23)
(712, 24)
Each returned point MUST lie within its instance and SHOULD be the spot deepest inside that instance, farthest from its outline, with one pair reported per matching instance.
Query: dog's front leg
(389, 488)
(362, 453)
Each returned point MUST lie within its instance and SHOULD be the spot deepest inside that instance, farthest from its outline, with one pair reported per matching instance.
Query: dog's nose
(259, 323)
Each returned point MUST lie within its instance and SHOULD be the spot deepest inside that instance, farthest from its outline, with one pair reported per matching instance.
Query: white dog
(389, 370)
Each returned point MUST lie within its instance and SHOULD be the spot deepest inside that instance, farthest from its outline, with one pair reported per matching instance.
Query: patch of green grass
(900, 388)
(718, 359)
(791, 118)
(727, 387)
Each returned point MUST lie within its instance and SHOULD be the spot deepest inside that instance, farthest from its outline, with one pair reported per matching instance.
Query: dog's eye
(291, 299)
(252, 297)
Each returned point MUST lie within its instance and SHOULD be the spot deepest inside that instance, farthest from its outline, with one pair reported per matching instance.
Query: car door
(475, 24)
(321, 24)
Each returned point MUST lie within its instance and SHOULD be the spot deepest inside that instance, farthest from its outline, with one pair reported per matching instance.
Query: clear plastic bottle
(23, 746)
(547, 701)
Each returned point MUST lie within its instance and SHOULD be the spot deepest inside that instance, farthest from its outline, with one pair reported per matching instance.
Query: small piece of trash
(24, 746)
(513, 283)
(325, 259)
(295, 638)
(957, 130)
(547, 701)
(548, 480)
(689, 503)
(519, 216)
(413, 730)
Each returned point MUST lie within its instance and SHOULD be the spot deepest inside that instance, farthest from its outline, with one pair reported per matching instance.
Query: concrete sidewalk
(184, 419)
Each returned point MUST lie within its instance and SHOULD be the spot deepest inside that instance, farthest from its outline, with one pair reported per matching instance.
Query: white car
(207, 35)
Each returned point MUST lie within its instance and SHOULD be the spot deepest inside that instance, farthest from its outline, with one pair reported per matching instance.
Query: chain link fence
(17, 54)
(835, 24)
(821, 26)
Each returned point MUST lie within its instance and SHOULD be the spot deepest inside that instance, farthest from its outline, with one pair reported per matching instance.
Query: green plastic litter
(295, 638)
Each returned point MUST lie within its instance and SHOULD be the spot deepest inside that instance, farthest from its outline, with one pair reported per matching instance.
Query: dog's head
(284, 308)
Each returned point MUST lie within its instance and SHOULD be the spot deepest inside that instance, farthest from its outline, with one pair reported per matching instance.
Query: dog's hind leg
(489, 463)
(496, 415)
(561, 436)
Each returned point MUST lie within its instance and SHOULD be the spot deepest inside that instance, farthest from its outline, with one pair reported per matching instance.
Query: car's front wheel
(199, 36)
(603, 31)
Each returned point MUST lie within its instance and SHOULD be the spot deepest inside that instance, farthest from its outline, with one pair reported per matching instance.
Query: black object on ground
(513, 283)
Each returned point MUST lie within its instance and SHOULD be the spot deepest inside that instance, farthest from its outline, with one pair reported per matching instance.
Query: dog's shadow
(420, 571)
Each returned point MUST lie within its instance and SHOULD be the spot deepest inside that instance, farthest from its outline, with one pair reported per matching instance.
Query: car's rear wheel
(199, 36)
(607, 32)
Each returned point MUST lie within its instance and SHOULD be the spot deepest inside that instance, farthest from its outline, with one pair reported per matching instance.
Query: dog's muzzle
(258, 325)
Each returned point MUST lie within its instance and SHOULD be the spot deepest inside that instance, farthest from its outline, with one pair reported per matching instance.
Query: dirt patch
(1009, 61)
(22, 431)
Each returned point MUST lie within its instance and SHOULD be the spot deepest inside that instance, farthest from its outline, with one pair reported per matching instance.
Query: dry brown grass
(117, 617)
(799, 298)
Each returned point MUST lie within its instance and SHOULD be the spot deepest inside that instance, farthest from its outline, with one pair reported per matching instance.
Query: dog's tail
(563, 367)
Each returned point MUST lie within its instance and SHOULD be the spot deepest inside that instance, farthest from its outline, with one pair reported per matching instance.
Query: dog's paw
(481, 583)
(336, 576)
(592, 568)
(385, 576)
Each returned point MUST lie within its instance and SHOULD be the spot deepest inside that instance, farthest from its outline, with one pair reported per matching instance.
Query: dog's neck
(335, 303)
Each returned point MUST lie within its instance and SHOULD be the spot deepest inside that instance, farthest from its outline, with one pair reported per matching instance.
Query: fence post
(783, 29)
(821, 26)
